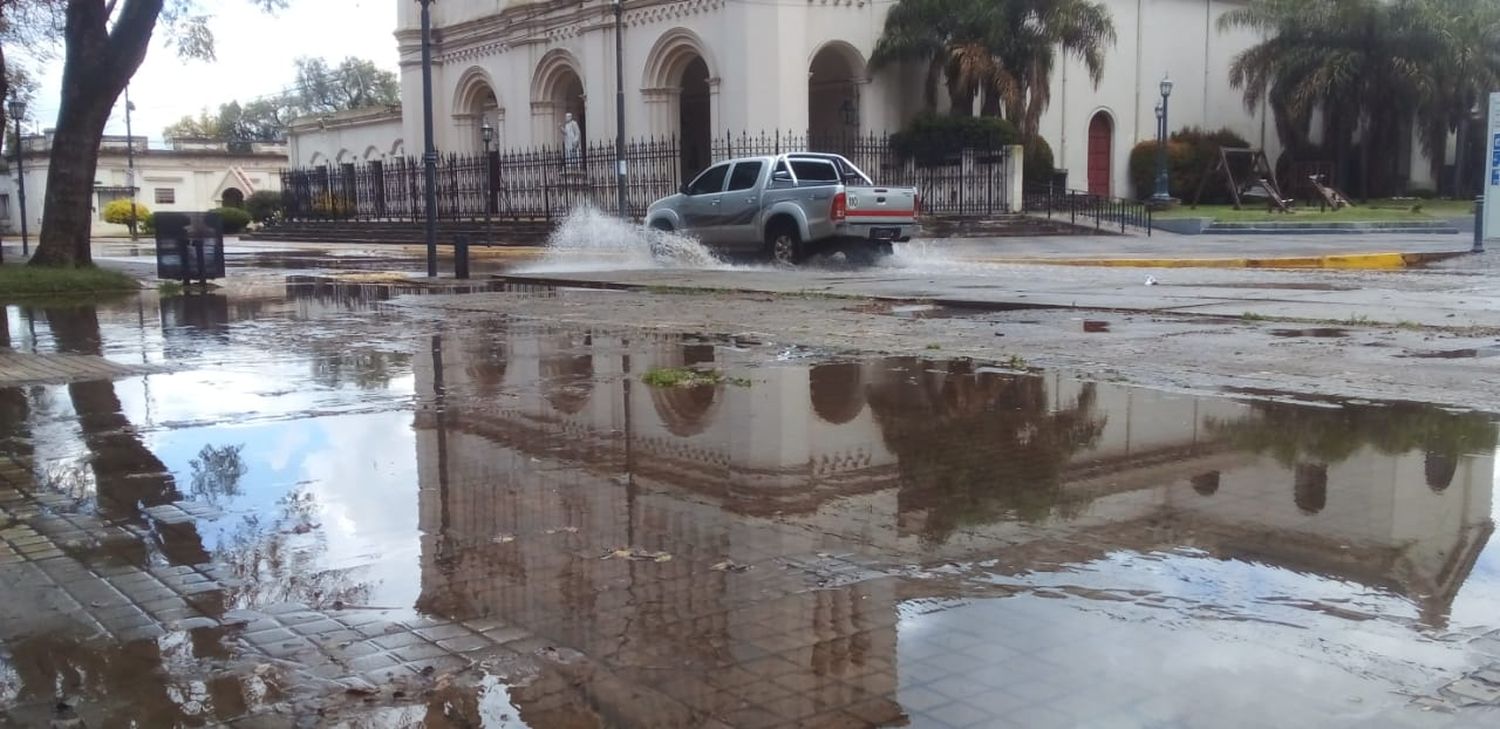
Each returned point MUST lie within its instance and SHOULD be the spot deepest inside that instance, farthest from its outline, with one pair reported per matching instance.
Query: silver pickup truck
(789, 207)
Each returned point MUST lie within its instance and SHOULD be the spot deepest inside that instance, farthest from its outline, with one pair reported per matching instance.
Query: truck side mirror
(781, 176)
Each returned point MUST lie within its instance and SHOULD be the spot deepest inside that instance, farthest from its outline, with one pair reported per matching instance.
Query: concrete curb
(1345, 261)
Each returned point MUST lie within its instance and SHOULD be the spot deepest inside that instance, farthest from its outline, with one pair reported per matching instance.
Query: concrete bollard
(1478, 225)
(461, 256)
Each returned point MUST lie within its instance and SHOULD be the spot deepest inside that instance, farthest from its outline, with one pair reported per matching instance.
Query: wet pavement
(301, 503)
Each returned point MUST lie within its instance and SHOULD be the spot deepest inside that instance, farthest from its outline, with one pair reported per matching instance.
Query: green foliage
(22, 282)
(1037, 161)
(320, 88)
(1006, 49)
(1368, 64)
(1293, 433)
(234, 219)
(118, 212)
(147, 224)
(936, 138)
(668, 377)
(975, 447)
(169, 289)
(1191, 152)
(264, 206)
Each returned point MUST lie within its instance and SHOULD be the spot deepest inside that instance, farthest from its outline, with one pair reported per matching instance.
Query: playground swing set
(1260, 182)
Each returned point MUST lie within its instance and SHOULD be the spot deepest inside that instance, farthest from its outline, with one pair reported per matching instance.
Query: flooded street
(299, 502)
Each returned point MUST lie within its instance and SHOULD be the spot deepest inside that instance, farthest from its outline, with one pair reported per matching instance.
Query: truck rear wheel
(783, 244)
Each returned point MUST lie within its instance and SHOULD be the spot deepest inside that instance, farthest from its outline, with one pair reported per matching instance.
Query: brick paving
(26, 368)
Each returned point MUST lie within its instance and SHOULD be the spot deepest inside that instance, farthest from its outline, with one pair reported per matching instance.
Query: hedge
(234, 219)
(933, 138)
(1190, 154)
(118, 212)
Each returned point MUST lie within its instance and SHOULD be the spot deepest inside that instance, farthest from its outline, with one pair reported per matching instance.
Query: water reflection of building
(541, 449)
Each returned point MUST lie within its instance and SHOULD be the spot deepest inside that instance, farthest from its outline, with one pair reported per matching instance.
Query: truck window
(712, 180)
(745, 175)
(814, 170)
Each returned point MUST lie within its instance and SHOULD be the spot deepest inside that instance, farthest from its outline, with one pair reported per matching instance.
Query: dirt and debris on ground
(303, 505)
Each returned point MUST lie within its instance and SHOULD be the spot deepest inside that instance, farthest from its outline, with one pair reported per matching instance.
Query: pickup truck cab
(788, 207)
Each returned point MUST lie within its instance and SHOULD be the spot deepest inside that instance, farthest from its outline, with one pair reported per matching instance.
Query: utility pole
(17, 109)
(130, 161)
(620, 106)
(429, 150)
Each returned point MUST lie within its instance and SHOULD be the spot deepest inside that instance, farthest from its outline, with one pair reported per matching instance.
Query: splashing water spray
(591, 240)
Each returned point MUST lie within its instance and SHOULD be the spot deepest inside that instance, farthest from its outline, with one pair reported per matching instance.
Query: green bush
(118, 212)
(147, 224)
(1191, 152)
(937, 138)
(264, 206)
(234, 219)
(1037, 162)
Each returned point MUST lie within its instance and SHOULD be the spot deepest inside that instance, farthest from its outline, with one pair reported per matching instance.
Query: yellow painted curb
(1346, 261)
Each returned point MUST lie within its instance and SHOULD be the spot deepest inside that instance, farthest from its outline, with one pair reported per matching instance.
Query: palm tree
(1005, 48)
(927, 32)
(1371, 67)
(1462, 39)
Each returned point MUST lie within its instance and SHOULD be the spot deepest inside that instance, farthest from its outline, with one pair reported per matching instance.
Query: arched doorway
(1101, 153)
(475, 103)
(233, 198)
(693, 118)
(557, 91)
(833, 81)
(679, 89)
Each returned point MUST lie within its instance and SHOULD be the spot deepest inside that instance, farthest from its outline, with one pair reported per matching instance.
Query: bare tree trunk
(99, 62)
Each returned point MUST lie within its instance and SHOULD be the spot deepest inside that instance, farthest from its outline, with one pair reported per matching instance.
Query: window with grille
(166, 196)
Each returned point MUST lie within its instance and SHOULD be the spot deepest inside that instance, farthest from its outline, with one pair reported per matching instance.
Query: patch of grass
(1017, 362)
(1406, 324)
(1375, 211)
(168, 289)
(1252, 316)
(31, 282)
(934, 346)
(667, 377)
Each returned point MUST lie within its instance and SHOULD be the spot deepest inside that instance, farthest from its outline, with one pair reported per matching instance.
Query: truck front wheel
(783, 244)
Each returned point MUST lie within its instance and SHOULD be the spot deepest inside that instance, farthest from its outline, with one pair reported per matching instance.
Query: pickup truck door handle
(750, 201)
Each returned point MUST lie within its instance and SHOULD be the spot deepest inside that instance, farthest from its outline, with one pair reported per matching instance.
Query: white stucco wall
(759, 55)
(197, 181)
(362, 138)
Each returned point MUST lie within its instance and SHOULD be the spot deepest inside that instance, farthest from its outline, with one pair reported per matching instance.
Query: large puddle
(807, 539)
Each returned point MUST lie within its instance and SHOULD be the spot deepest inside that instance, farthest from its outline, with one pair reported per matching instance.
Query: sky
(256, 52)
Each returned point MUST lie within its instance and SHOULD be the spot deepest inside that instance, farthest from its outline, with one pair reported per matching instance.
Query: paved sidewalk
(25, 368)
(1231, 250)
(1435, 300)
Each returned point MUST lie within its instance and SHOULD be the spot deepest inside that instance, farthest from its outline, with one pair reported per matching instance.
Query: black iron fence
(1085, 209)
(546, 183)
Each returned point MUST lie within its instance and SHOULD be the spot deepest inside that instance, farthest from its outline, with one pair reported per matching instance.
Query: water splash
(925, 256)
(592, 240)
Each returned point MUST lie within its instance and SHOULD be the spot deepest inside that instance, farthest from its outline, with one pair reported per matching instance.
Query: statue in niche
(572, 137)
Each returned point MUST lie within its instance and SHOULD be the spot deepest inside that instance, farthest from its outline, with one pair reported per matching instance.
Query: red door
(1101, 132)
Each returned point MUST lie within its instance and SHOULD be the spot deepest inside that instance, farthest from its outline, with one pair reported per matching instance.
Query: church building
(697, 69)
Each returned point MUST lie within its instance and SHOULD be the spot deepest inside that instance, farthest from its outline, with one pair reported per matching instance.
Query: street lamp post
(130, 162)
(17, 109)
(1162, 196)
(487, 132)
(429, 150)
(620, 105)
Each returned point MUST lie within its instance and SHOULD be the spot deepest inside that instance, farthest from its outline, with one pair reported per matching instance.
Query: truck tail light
(840, 210)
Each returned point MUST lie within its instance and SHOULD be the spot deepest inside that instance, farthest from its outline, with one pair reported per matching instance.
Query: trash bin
(189, 246)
